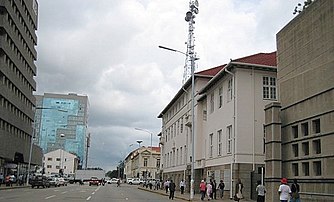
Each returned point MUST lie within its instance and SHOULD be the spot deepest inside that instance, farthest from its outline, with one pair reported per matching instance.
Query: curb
(163, 194)
(13, 187)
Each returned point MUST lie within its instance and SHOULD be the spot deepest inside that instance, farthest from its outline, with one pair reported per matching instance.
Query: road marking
(93, 193)
(50, 197)
(89, 197)
(64, 192)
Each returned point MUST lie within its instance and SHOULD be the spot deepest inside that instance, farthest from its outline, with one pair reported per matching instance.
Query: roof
(267, 59)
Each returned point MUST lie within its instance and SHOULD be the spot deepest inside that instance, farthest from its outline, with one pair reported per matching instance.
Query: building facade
(61, 122)
(229, 118)
(300, 129)
(143, 163)
(59, 159)
(18, 25)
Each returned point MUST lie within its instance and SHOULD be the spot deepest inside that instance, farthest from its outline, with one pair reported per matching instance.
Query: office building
(300, 127)
(61, 122)
(60, 160)
(18, 25)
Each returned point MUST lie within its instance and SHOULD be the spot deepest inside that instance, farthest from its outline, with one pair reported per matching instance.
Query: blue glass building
(61, 122)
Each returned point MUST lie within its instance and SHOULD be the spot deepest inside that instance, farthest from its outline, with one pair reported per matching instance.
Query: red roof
(211, 71)
(157, 149)
(268, 59)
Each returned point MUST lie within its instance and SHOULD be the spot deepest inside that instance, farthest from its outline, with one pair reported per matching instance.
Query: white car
(136, 181)
(112, 181)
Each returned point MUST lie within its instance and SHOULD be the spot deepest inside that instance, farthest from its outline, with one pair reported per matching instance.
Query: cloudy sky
(108, 50)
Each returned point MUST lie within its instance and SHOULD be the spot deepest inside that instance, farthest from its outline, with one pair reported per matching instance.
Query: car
(61, 181)
(53, 182)
(39, 181)
(94, 181)
(128, 180)
(112, 181)
(136, 181)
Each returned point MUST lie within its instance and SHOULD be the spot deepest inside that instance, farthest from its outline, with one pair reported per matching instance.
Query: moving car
(136, 181)
(94, 181)
(61, 181)
(53, 182)
(39, 181)
(112, 181)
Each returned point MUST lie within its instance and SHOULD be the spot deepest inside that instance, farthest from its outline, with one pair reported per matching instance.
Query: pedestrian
(166, 186)
(295, 192)
(118, 182)
(284, 190)
(1, 179)
(182, 185)
(260, 190)
(171, 189)
(202, 188)
(221, 187)
(209, 190)
(7, 181)
(214, 189)
(238, 191)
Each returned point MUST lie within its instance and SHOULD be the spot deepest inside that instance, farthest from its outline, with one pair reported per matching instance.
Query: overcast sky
(108, 50)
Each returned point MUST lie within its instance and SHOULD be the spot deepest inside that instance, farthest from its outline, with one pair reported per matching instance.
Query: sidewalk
(15, 186)
(186, 196)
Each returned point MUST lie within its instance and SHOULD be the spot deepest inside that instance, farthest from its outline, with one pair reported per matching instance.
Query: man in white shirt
(284, 191)
(182, 186)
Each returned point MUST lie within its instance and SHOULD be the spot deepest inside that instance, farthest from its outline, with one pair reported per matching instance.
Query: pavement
(186, 195)
(14, 186)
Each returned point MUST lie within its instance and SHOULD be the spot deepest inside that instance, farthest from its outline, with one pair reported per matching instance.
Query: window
(49, 166)
(317, 168)
(205, 115)
(316, 146)
(57, 167)
(295, 170)
(181, 129)
(212, 103)
(269, 88)
(305, 129)
(145, 162)
(219, 142)
(211, 145)
(306, 168)
(229, 139)
(295, 150)
(295, 131)
(229, 90)
(49, 159)
(220, 98)
(316, 126)
(158, 163)
(181, 154)
(305, 146)
(57, 159)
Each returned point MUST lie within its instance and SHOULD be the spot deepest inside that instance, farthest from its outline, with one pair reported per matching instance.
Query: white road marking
(50, 197)
(64, 192)
(93, 193)
(89, 197)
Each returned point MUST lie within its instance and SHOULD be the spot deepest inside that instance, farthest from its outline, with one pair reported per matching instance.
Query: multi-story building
(143, 162)
(229, 118)
(18, 25)
(59, 159)
(61, 122)
(300, 128)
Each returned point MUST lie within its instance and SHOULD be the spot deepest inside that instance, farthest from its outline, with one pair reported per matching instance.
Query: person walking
(261, 191)
(209, 190)
(238, 191)
(1, 179)
(221, 187)
(295, 192)
(182, 185)
(171, 189)
(284, 190)
(202, 188)
(166, 186)
(214, 189)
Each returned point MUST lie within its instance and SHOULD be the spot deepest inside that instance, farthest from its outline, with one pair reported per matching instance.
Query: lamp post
(139, 142)
(61, 155)
(146, 132)
(32, 139)
(190, 16)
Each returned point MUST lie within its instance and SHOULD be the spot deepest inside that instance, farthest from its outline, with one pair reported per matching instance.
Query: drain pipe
(233, 145)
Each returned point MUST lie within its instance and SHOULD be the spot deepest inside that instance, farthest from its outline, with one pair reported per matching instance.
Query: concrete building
(59, 159)
(229, 120)
(18, 25)
(143, 162)
(61, 122)
(300, 128)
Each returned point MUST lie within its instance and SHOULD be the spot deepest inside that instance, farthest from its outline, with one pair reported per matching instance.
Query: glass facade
(61, 123)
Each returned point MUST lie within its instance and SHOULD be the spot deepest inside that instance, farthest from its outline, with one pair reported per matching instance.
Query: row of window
(218, 142)
(316, 169)
(57, 166)
(316, 147)
(176, 157)
(57, 159)
(178, 105)
(5, 126)
(220, 96)
(175, 129)
(304, 128)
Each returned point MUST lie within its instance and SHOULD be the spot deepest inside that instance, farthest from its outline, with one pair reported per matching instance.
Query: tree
(112, 174)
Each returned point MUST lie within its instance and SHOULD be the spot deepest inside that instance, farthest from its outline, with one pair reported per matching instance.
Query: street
(75, 192)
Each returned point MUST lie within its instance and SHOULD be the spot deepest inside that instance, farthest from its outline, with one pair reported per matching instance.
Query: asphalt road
(86, 193)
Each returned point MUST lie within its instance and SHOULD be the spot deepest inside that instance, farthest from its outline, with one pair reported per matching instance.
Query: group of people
(285, 191)
(210, 189)
(9, 180)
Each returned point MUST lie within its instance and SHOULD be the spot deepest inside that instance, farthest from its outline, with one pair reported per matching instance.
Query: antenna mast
(190, 54)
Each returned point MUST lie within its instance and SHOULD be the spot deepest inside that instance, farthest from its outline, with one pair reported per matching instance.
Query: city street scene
(155, 100)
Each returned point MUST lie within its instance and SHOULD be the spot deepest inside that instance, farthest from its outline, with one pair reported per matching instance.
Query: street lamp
(139, 142)
(33, 136)
(190, 16)
(146, 132)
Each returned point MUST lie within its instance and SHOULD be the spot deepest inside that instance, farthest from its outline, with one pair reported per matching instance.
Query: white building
(60, 159)
(143, 162)
(229, 118)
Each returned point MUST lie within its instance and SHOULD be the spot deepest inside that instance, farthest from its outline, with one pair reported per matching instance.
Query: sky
(108, 50)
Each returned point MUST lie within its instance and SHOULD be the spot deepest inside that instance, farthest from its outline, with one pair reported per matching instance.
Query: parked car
(112, 181)
(136, 181)
(39, 181)
(53, 182)
(94, 181)
(61, 181)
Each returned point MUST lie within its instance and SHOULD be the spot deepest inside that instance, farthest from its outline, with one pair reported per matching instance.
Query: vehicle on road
(136, 181)
(61, 181)
(39, 181)
(86, 175)
(53, 182)
(94, 181)
(112, 181)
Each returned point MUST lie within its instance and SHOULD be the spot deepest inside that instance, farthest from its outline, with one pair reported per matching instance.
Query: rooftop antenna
(190, 16)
